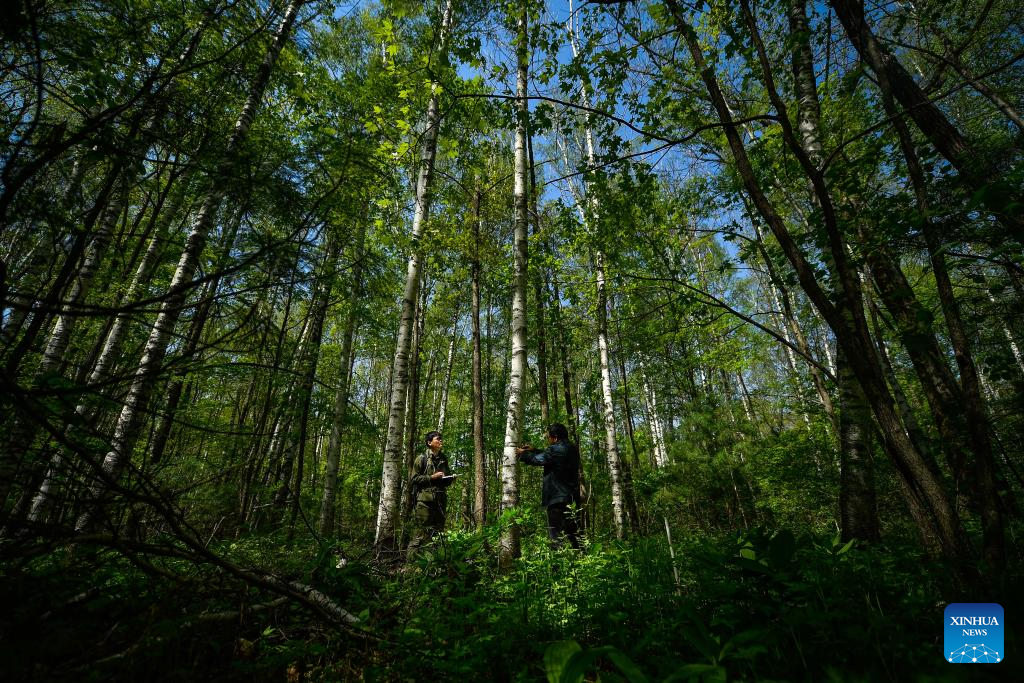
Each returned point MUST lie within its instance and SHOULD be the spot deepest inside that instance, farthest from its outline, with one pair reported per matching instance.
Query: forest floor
(744, 606)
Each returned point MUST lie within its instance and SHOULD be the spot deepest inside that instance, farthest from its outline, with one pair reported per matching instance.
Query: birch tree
(479, 470)
(509, 542)
(129, 421)
(388, 508)
(589, 209)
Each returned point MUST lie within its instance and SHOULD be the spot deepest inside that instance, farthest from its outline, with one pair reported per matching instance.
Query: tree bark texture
(509, 542)
(479, 469)
(857, 505)
(615, 473)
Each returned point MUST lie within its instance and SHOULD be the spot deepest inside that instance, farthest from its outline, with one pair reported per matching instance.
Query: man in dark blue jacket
(560, 492)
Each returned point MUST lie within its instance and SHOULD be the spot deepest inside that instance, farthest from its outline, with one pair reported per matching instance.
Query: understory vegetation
(756, 605)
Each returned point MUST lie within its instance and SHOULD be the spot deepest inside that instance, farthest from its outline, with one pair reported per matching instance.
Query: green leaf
(580, 662)
(847, 546)
(557, 656)
(629, 669)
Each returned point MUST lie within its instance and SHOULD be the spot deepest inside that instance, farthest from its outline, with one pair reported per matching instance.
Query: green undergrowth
(750, 606)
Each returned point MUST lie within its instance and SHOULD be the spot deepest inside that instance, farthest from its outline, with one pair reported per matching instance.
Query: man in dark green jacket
(561, 487)
(430, 479)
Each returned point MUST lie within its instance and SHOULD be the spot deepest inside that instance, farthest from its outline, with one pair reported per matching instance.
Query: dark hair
(558, 431)
(430, 436)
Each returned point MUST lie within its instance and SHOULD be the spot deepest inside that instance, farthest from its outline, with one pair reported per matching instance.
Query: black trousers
(561, 524)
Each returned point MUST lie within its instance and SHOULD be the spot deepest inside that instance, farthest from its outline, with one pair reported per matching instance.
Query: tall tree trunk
(129, 420)
(857, 506)
(622, 499)
(971, 399)
(659, 453)
(192, 343)
(479, 470)
(391, 476)
(858, 513)
(413, 445)
(615, 468)
(848, 324)
(509, 542)
(627, 410)
(538, 292)
(443, 411)
(333, 457)
(570, 412)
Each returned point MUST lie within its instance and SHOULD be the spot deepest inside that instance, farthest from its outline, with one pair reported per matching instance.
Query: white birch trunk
(43, 499)
(126, 430)
(391, 475)
(611, 443)
(447, 376)
(830, 357)
(112, 344)
(509, 542)
(60, 333)
(748, 409)
(653, 419)
(479, 465)
(608, 406)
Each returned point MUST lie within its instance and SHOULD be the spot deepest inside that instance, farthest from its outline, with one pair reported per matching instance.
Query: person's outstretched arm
(536, 456)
